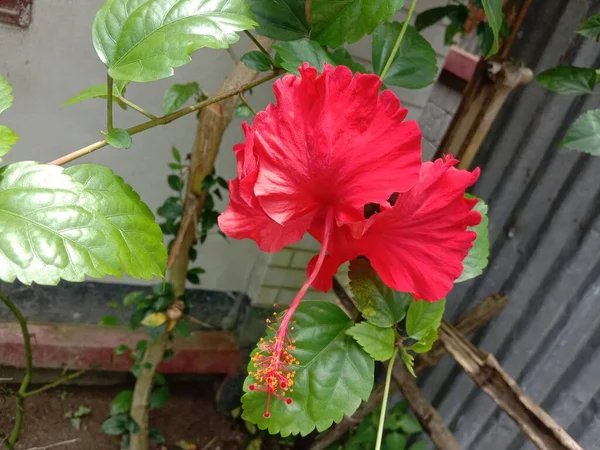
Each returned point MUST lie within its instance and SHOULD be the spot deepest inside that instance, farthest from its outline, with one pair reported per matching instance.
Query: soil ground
(190, 415)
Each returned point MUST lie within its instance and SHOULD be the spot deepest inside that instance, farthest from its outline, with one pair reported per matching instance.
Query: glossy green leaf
(183, 329)
(568, 80)
(379, 304)
(121, 403)
(159, 397)
(376, 341)
(293, 54)
(242, 110)
(175, 182)
(394, 441)
(333, 377)
(364, 436)
(146, 39)
(6, 94)
(424, 344)
(8, 138)
(591, 27)
(116, 425)
(256, 60)
(415, 64)
(584, 134)
(45, 233)
(98, 91)
(408, 360)
(493, 12)
(108, 321)
(121, 349)
(419, 445)
(133, 298)
(335, 22)
(485, 38)
(341, 57)
(177, 95)
(282, 20)
(119, 138)
(172, 208)
(141, 253)
(477, 258)
(409, 424)
(422, 316)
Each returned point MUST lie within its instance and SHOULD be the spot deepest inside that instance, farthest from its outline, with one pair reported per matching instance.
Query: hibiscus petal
(334, 140)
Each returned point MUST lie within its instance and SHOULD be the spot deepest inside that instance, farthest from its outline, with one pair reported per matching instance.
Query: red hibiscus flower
(332, 145)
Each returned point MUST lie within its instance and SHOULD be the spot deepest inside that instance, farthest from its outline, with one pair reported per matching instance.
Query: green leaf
(183, 329)
(422, 316)
(121, 349)
(177, 95)
(133, 298)
(146, 39)
(98, 91)
(293, 54)
(379, 304)
(394, 441)
(174, 151)
(493, 12)
(8, 138)
(341, 57)
(6, 95)
(485, 38)
(256, 60)
(409, 361)
(477, 258)
(409, 424)
(333, 377)
(155, 319)
(415, 64)
(424, 344)
(171, 208)
(156, 436)
(116, 425)
(377, 342)
(568, 80)
(434, 15)
(336, 22)
(364, 437)
(584, 134)
(159, 397)
(138, 238)
(46, 233)
(419, 445)
(121, 403)
(242, 110)
(175, 182)
(108, 321)
(591, 27)
(282, 20)
(119, 138)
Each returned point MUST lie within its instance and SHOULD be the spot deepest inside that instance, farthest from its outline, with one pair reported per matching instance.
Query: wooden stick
(467, 324)
(485, 370)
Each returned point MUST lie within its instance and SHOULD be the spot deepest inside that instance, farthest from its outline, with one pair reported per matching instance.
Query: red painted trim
(16, 12)
(91, 347)
(461, 63)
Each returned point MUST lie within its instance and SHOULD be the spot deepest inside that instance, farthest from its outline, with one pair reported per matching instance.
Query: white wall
(54, 59)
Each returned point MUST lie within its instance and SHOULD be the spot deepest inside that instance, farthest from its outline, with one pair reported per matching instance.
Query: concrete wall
(54, 59)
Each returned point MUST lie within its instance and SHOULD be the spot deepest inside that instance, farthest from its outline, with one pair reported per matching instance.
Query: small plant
(76, 416)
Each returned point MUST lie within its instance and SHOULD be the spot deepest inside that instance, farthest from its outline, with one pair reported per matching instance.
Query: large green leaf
(493, 12)
(6, 95)
(584, 134)
(379, 304)
(335, 22)
(45, 234)
(568, 80)
(333, 377)
(98, 91)
(415, 64)
(144, 40)
(8, 138)
(141, 252)
(282, 20)
(291, 55)
(477, 258)
(591, 27)
(376, 341)
(422, 316)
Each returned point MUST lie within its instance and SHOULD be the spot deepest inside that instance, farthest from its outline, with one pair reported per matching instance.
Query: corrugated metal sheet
(545, 240)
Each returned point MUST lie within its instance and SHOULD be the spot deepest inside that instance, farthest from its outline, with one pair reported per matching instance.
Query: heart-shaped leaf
(591, 27)
(119, 138)
(477, 258)
(256, 60)
(422, 316)
(333, 377)
(568, 80)
(415, 64)
(146, 39)
(377, 342)
(138, 237)
(584, 134)
(379, 304)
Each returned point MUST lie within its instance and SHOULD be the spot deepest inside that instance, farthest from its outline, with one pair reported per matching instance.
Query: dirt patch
(190, 415)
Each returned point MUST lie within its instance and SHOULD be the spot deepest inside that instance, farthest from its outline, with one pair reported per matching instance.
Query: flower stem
(386, 391)
(137, 108)
(109, 102)
(248, 105)
(390, 60)
(20, 395)
(261, 48)
(164, 120)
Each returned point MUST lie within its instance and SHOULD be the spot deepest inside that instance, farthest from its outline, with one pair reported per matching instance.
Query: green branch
(390, 60)
(386, 391)
(137, 108)
(109, 102)
(55, 383)
(261, 48)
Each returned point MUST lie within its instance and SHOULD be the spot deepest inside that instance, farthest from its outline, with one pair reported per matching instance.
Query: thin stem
(247, 104)
(137, 108)
(164, 120)
(399, 40)
(261, 48)
(20, 395)
(54, 384)
(386, 391)
(109, 102)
